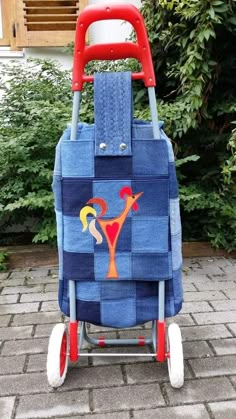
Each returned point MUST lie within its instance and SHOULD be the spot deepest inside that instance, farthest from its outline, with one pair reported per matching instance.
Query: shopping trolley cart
(117, 211)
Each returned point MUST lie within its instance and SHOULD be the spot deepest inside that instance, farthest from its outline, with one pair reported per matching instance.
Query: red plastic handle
(140, 50)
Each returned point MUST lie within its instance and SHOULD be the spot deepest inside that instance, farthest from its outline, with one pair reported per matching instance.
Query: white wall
(100, 32)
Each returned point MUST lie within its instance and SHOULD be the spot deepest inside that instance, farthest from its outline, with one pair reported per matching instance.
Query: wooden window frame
(15, 33)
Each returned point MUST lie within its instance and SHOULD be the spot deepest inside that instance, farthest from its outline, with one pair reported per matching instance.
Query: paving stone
(41, 280)
(36, 318)
(210, 265)
(230, 269)
(190, 263)
(9, 299)
(14, 282)
(38, 363)
(198, 349)
(22, 289)
(26, 346)
(205, 332)
(53, 404)
(224, 346)
(224, 410)
(19, 308)
(12, 333)
(201, 390)
(127, 397)
(6, 407)
(207, 367)
(231, 293)
(92, 377)
(204, 296)
(3, 276)
(4, 320)
(213, 286)
(40, 296)
(182, 320)
(19, 274)
(194, 411)
(39, 272)
(11, 364)
(150, 372)
(189, 287)
(51, 287)
(224, 305)
(115, 415)
(123, 359)
(12, 385)
(43, 330)
(233, 379)
(215, 317)
(232, 327)
(50, 306)
(197, 307)
(226, 277)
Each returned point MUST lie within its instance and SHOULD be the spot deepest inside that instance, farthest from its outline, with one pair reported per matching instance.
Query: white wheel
(57, 359)
(175, 360)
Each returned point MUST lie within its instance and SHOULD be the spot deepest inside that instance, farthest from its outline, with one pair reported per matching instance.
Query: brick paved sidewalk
(119, 388)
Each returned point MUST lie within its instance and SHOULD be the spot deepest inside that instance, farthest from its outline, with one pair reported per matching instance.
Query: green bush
(193, 44)
(34, 109)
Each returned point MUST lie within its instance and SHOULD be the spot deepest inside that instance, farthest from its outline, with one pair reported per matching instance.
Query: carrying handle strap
(113, 113)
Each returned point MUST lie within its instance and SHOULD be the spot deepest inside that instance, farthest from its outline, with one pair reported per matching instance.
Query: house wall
(100, 32)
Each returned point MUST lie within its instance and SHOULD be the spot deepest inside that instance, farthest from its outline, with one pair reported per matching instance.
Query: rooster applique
(111, 228)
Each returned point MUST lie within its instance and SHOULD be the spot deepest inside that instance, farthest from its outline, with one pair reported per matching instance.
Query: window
(39, 23)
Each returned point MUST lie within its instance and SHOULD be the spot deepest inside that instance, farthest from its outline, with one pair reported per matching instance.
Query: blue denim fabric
(150, 235)
(113, 113)
(149, 245)
(122, 312)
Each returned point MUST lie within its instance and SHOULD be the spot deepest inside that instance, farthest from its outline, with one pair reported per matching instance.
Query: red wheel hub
(63, 354)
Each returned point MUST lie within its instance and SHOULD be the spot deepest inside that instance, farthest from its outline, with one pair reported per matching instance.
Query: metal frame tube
(154, 114)
(75, 115)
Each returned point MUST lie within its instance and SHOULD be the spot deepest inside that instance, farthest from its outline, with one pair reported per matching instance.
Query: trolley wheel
(57, 359)
(175, 358)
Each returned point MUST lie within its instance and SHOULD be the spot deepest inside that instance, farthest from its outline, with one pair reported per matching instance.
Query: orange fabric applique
(111, 228)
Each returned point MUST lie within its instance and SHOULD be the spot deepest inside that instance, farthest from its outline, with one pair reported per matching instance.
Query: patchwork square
(155, 198)
(150, 158)
(109, 289)
(122, 313)
(75, 240)
(88, 311)
(113, 167)
(144, 315)
(75, 194)
(151, 267)
(88, 291)
(78, 266)
(74, 162)
(150, 234)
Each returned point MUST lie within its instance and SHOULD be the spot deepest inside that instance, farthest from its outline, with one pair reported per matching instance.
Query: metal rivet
(103, 146)
(123, 146)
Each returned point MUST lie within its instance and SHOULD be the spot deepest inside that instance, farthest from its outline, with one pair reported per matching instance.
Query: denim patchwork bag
(117, 211)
